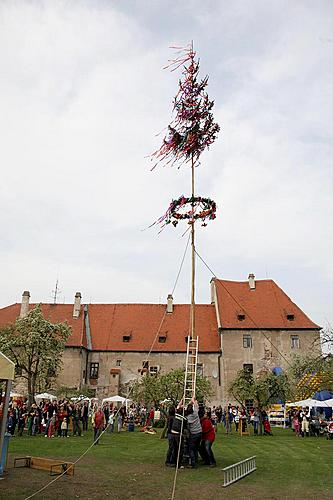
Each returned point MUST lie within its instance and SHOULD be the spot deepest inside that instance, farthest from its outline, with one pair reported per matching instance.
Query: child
(267, 428)
(111, 422)
(296, 425)
(64, 427)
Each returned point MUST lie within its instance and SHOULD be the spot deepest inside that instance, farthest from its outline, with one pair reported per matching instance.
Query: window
(290, 317)
(153, 370)
(248, 367)
(162, 339)
(247, 341)
(200, 369)
(145, 365)
(241, 317)
(249, 405)
(94, 369)
(295, 342)
(126, 338)
(118, 362)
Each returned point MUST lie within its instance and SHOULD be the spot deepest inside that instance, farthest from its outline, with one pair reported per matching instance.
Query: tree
(264, 390)
(156, 388)
(35, 346)
(311, 373)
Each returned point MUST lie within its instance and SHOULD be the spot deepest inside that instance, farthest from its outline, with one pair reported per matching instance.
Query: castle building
(250, 324)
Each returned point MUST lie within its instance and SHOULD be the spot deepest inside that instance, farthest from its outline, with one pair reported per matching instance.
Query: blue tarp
(322, 395)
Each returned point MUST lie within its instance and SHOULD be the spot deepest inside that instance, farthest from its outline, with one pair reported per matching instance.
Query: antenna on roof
(56, 292)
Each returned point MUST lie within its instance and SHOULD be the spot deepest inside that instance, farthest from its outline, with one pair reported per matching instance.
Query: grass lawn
(131, 466)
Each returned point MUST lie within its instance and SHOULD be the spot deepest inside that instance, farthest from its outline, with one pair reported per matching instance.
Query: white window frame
(153, 370)
(295, 342)
(247, 339)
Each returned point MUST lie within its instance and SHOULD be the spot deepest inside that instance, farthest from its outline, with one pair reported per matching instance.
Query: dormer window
(126, 338)
(290, 317)
(162, 339)
(241, 317)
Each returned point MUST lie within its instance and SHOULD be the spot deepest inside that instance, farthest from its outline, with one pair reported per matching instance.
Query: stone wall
(270, 349)
(72, 373)
(131, 364)
(116, 369)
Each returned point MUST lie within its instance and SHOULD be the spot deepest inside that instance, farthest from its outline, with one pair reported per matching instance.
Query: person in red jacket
(208, 438)
(98, 421)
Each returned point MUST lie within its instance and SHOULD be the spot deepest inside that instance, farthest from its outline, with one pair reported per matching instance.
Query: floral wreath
(201, 208)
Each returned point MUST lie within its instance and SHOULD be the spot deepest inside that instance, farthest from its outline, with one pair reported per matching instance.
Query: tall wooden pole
(193, 259)
(192, 239)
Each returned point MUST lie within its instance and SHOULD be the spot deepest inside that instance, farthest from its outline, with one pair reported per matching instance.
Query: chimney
(25, 304)
(212, 291)
(252, 282)
(170, 304)
(77, 305)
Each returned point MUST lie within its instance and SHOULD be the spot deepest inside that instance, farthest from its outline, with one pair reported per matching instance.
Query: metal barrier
(239, 470)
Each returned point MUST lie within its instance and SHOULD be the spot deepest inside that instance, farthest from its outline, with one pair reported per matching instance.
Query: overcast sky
(83, 96)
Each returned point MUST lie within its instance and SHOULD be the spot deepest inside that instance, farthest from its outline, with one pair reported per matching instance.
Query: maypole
(192, 131)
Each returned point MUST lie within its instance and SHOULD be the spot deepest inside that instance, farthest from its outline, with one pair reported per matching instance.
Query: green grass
(131, 466)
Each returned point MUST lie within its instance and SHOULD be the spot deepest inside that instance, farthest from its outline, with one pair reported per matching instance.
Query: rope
(181, 430)
(247, 313)
(103, 432)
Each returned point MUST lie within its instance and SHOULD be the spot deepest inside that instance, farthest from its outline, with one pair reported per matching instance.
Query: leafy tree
(264, 390)
(156, 388)
(304, 368)
(35, 345)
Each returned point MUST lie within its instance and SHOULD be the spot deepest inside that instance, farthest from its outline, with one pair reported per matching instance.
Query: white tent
(115, 399)
(303, 403)
(313, 403)
(45, 395)
(327, 403)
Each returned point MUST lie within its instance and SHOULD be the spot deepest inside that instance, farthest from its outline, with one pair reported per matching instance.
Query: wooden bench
(53, 466)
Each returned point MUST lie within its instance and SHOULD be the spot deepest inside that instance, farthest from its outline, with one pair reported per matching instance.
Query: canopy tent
(45, 395)
(14, 394)
(303, 403)
(328, 403)
(313, 403)
(7, 368)
(7, 373)
(116, 399)
(323, 395)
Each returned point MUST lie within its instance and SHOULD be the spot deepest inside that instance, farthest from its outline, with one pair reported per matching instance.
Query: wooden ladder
(191, 369)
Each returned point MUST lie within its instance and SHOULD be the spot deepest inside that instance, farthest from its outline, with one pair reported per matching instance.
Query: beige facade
(251, 323)
(263, 349)
(73, 370)
(130, 365)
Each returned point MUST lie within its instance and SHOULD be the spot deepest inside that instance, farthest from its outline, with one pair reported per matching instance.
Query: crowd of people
(64, 418)
(57, 418)
(305, 422)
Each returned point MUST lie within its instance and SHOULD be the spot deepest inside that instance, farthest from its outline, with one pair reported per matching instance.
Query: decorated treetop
(193, 128)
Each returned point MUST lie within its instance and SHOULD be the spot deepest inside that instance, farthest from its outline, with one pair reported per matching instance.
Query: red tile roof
(110, 322)
(267, 306)
(56, 313)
